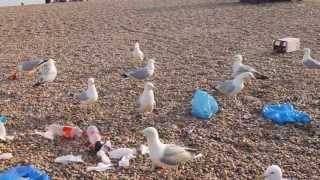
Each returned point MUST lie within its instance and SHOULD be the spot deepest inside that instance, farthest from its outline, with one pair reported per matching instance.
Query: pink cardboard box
(287, 44)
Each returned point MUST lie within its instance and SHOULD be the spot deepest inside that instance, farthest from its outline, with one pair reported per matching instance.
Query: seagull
(28, 66)
(142, 73)
(146, 100)
(272, 173)
(90, 95)
(239, 68)
(233, 87)
(166, 155)
(308, 61)
(48, 73)
(137, 53)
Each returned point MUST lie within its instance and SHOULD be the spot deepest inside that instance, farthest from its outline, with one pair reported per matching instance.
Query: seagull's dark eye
(272, 173)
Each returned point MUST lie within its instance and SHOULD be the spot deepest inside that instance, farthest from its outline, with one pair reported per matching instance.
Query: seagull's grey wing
(226, 87)
(83, 96)
(139, 73)
(243, 69)
(173, 155)
(311, 64)
(31, 64)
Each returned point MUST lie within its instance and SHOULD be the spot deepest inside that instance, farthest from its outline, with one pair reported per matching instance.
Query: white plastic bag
(119, 153)
(144, 149)
(125, 160)
(47, 134)
(100, 167)
(5, 156)
(3, 133)
(68, 159)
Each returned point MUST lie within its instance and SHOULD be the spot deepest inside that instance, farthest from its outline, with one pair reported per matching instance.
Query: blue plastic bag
(29, 172)
(3, 119)
(204, 106)
(282, 114)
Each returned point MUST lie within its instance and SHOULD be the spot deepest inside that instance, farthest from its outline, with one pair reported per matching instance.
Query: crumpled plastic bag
(204, 106)
(3, 133)
(144, 149)
(28, 172)
(4, 156)
(68, 159)
(125, 160)
(3, 119)
(47, 134)
(119, 153)
(100, 167)
(282, 114)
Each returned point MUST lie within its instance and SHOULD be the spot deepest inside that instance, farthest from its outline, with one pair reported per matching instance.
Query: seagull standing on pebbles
(137, 53)
(308, 61)
(28, 66)
(239, 68)
(166, 155)
(142, 73)
(90, 95)
(48, 73)
(146, 100)
(233, 87)
(272, 173)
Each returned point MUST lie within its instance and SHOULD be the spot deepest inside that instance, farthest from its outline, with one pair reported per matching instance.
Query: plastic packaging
(3, 133)
(119, 153)
(144, 149)
(58, 130)
(94, 137)
(28, 172)
(282, 114)
(204, 106)
(100, 167)
(68, 159)
(125, 160)
(104, 158)
(5, 156)
(3, 119)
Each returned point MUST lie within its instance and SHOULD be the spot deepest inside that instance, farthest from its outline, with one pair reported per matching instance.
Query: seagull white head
(151, 61)
(136, 45)
(148, 86)
(307, 51)
(273, 173)
(90, 81)
(237, 58)
(51, 61)
(150, 133)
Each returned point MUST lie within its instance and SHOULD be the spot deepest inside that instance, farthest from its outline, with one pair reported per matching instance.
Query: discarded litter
(3, 119)
(94, 138)
(3, 133)
(189, 129)
(28, 172)
(204, 106)
(68, 159)
(100, 167)
(5, 156)
(125, 160)
(119, 153)
(144, 149)
(282, 114)
(104, 158)
(58, 130)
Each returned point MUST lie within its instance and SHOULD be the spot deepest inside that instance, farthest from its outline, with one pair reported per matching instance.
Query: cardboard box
(287, 44)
